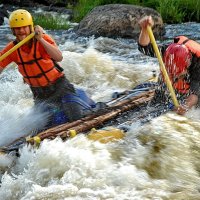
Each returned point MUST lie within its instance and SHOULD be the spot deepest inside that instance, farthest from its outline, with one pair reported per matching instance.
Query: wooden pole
(17, 46)
(162, 66)
(93, 121)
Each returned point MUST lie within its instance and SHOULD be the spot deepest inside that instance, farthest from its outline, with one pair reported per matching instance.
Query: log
(85, 124)
(94, 120)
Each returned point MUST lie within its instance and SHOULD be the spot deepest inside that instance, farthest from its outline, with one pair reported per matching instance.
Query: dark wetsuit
(193, 77)
(52, 99)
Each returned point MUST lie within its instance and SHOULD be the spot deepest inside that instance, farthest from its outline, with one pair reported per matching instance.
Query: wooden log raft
(94, 120)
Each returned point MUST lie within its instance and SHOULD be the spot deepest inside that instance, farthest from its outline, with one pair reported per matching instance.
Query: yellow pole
(17, 46)
(162, 66)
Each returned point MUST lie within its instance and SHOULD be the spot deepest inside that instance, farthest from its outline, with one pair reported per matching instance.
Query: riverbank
(172, 12)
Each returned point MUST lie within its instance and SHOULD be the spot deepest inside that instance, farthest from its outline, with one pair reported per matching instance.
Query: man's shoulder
(7, 47)
(48, 38)
(10, 45)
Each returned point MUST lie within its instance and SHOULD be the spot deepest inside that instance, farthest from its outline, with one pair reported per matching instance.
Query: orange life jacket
(37, 71)
(182, 85)
(192, 45)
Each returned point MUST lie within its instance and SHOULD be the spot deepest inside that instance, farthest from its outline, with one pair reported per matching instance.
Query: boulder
(118, 20)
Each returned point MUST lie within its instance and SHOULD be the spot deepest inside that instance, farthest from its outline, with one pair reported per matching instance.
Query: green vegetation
(84, 6)
(50, 22)
(172, 11)
(176, 11)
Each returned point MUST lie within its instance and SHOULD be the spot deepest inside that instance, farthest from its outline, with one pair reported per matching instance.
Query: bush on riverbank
(172, 11)
(50, 22)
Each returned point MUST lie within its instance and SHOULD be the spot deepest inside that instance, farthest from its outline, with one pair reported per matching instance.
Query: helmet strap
(13, 32)
(31, 28)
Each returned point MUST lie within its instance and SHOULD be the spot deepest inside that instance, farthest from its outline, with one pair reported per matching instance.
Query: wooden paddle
(17, 46)
(162, 66)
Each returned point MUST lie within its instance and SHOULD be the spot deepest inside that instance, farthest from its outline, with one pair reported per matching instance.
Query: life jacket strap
(29, 62)
(39, 75)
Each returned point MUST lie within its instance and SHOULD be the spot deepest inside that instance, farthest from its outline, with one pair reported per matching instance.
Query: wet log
(96, 120)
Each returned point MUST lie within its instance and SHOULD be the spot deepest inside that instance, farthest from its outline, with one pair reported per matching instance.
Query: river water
(157, 161)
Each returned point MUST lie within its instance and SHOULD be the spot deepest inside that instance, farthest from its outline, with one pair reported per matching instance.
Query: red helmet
(177, 59)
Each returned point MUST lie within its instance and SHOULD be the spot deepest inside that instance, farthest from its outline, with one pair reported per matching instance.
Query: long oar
(162, 66)
(17, 46)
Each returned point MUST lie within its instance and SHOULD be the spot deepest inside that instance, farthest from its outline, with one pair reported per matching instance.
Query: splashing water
(159, 160)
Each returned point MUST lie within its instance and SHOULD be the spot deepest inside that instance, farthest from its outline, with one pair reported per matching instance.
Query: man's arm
(144, 39)
(52, 50)
(190, 102)
(144, 44)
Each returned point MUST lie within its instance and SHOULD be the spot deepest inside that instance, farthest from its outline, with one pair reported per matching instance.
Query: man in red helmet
(177, 59)
(181, 59)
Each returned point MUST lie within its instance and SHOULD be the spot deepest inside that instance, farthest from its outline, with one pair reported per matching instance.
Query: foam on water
(159, 160)
(154, 161)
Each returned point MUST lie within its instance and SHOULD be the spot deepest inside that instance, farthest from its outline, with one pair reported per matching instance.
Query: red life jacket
(37, 71)
(177, 59)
